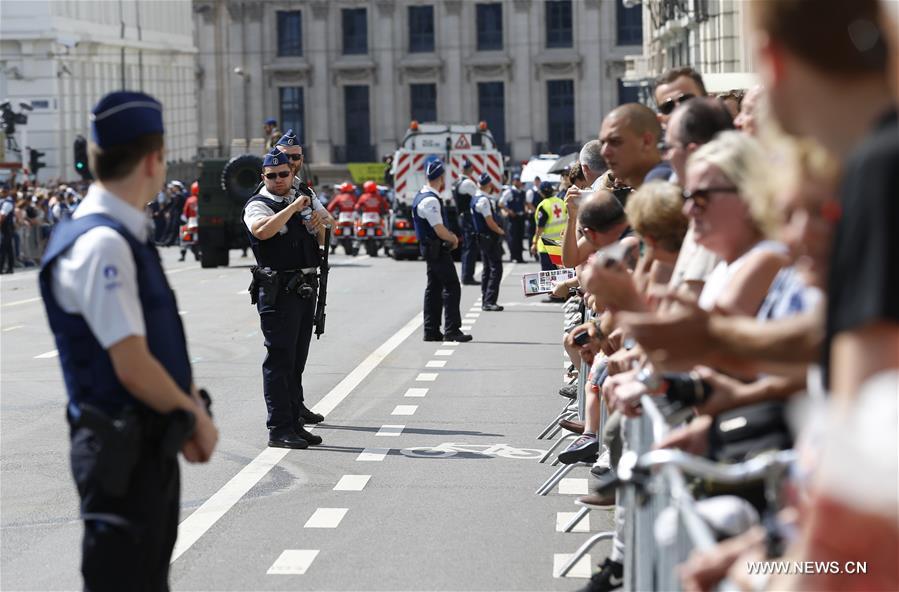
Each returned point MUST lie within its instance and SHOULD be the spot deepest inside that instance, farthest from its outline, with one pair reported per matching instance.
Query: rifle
(322, 287)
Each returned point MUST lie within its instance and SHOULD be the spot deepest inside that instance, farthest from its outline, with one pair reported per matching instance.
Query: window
(492, 109)
(358, 124)
(558, 23)
(627, 94)
(490, 26)
(630, 24)
(560, 106)
(423, 102)
(421, 29)
(290, 33)
(292, 111)
(355, 31)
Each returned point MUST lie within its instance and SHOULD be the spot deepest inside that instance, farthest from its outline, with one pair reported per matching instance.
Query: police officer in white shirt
(490, 240)
(463, 192)
(289, 145)
(132, 403)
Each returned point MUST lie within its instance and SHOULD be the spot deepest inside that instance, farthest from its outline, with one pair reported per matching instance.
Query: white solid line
(573, 487)
(373, 454)
(13, 328)
(581, 569)
(444, 352)
(326, 518)
(18, 302)
(563, 518)
(49, 354)
(416, 392)
(404, 410)
(435, 364)
(391, 430)
(194, 526)
(293, 562)
(426, 377)
(352, 483)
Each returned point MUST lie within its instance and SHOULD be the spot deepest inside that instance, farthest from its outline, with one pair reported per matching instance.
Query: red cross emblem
(557, 211)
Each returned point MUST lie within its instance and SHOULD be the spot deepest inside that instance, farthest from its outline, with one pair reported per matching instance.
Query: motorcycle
(371, 232)
(343, 233)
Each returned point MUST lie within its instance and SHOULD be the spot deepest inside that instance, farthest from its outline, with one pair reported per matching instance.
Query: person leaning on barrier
(436, 241)
(283, 235)
(490, 240)
(132, 401)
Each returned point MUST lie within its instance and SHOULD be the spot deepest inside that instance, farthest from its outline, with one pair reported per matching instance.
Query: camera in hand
(684, 392)
(582, 339)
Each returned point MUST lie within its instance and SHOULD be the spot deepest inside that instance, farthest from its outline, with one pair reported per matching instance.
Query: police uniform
(284, 291)
(463, 192)
(513, 199)
(101, 280)
(443, 291)
(7, 231)
(490, 243)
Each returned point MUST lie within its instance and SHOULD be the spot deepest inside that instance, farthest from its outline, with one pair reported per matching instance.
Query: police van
(453, 144)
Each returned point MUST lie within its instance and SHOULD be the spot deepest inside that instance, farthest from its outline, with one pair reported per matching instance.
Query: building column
(317, 95)
(521, 88)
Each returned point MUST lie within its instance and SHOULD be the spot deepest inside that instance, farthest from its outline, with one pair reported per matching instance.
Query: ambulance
(451, 143)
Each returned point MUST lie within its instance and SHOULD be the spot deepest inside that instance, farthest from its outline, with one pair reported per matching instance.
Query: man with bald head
(630, 137)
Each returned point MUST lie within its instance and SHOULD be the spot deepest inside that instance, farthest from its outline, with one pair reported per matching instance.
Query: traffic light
(34, 161)
(80, 151)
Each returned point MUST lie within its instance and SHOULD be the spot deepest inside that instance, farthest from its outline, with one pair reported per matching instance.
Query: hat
(288, 139)
(516, 177)
(271, 121)
(485, 179)
(275, 158)
(435, 169)
(466, 164)
(122, 117)
(546, 186)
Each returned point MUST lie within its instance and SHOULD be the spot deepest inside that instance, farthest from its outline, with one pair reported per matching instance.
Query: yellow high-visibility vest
(557, 215)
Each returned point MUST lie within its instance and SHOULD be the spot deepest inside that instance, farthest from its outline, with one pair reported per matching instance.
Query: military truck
(225, 187)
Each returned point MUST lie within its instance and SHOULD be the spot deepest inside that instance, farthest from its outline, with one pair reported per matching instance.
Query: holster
(119, 442)
(303, 285)
(269, 282)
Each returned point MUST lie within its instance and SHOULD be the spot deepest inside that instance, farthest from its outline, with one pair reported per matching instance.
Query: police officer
(463, 191)
(490, 240)
(7, 231)
(271, 131)
(435, 242)
(132, 403)
(513, 200)
(289, 145)
(284, 286)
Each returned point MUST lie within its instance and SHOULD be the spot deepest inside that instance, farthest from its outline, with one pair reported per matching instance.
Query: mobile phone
(582, 338)
(612, 255)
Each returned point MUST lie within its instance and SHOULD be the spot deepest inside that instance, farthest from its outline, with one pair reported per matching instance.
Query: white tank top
(724, 271)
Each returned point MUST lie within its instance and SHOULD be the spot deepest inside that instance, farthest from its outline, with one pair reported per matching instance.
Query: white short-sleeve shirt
(467, 187)
(429, 208)
(482, 204)
(97, 277)
(6, 207)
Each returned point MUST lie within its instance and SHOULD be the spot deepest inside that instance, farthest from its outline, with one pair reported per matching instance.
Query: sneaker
(569, 391)
(603, 464)
(492, 308)
(609, 577)
(582, 449)
(458, 336)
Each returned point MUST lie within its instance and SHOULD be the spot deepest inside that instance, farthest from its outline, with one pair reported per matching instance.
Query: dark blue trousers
(492, 257)
(442, 295)
(469, 249)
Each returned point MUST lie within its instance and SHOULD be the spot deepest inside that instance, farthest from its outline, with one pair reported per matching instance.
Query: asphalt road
(425, 480)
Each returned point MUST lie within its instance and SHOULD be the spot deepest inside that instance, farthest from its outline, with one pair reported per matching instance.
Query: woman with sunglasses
(729, 200)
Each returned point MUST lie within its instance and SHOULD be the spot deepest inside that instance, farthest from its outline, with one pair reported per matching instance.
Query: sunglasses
(668, 106)
(282, 174)
(295, 157)
(701, 197)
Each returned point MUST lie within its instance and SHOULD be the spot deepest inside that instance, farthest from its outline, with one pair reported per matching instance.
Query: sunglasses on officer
(282, 174)
(702, 197)
(295, 157)
(668, 106)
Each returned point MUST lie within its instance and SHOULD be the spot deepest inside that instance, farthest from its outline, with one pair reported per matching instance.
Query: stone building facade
(349, 75)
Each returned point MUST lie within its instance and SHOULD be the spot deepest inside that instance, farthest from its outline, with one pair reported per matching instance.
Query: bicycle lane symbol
(451, 449)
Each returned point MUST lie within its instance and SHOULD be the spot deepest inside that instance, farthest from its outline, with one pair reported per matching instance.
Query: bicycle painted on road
(449, 449)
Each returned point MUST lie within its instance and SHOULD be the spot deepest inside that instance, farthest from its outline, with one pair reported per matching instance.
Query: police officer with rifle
(132, 403)
(283, 232)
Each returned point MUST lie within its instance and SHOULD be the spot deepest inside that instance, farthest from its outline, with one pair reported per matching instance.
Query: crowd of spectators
(738, 254)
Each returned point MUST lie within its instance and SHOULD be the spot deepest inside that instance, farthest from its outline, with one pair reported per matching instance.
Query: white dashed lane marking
(465, 328)
(293, 562)
(326, 518)
(435, 364)
(450, 343)
(573, 487)
(13, 328)
(444, 352)
(426, 377)
(416, 392)
(563, 518)
(46, 355)
(352, 483)
(581, 569)
(404, 410)
(391, 430)
(373, 454)
(472, 315)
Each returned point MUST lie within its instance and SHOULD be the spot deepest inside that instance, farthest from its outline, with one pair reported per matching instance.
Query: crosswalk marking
(450, 343)
(573, 487)
(391, 430)
(426, 377)
(293, 562)
(373, 454)
(581, 569)
(416, 392)
(352, 483)
(472, 315)
(563, 518)
(326, 518)
(435, 364)
(444, 352)
(404, 410)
